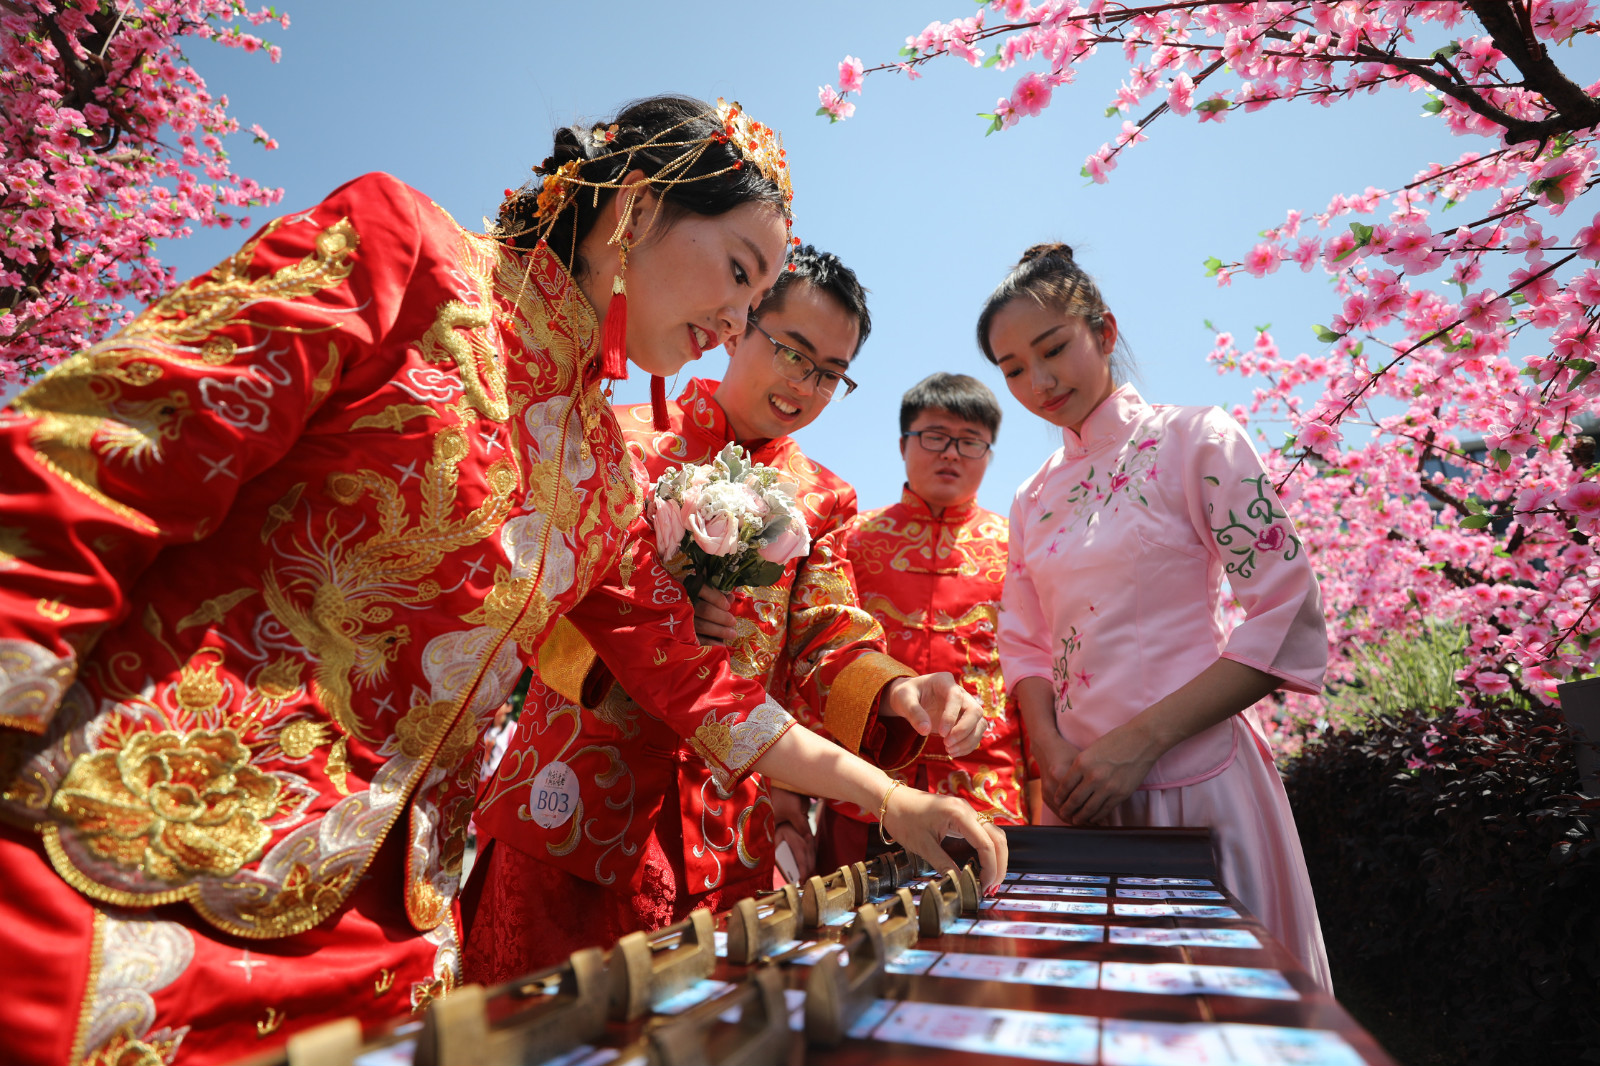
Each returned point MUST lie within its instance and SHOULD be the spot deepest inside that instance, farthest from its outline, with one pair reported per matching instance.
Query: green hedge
(1457, 876)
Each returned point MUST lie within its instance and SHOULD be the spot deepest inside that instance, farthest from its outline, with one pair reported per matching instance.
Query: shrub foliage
(1457, 875)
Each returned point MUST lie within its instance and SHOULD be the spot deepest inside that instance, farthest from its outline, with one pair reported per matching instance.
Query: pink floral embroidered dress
(1119, 548)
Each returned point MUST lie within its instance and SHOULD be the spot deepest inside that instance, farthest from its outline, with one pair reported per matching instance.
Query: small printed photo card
(794, 1001)
(912, 960)
(1032, 889)
(695, 994)
(1131, 1043)
(1043, 906)
(1057, 973)
(1164, 938)
(1068, 879)
(1183, 979)
(1168, 893)
(810, 952)
(1172, 910)
(582, 1055)
(1124, 1042)
(986, 1030)
(1037, 931)
(1191, 882)
(1272, 1045)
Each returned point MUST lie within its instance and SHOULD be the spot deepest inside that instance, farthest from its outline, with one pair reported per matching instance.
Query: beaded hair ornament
(753, 143)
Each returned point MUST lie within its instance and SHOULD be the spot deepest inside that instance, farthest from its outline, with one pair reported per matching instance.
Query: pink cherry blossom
(99, 163)
(1587, 239)
(1429, 468)
(837, 106)
(1263, 259)
(1031, 95)
(850, 75)
(1583, 498)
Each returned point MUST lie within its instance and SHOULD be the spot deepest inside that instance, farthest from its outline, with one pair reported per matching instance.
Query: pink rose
(1271, 539)
(668, 521)
(791, 543)
(717, 536)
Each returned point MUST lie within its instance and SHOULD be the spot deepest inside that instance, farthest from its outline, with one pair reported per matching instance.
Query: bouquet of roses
(734, 522)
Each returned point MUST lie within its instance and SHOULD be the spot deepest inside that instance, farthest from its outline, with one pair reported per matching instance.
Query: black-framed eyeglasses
(932, 440)
(797, 366)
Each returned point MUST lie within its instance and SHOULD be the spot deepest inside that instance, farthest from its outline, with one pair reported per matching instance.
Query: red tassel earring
(614, 336)
(658, 402)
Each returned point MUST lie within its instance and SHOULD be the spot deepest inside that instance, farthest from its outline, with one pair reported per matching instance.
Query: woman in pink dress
(1111, 631)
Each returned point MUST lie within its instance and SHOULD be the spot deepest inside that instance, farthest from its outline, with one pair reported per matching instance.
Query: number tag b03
(553, 797)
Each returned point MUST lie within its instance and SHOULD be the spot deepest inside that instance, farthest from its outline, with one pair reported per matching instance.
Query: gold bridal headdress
(754, 143)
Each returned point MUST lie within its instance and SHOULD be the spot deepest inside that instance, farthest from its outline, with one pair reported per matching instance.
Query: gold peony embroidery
(424, 904)
(730, 746)
(280, 679)
(551, 494)
(302, 737)
(426, 722)
(516, 607)
(172, 804)
(198, 689)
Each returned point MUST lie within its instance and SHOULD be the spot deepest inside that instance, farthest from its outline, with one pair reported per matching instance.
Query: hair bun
(1042, 251)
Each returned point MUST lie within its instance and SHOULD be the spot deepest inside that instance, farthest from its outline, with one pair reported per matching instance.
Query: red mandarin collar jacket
(805, 639)
(934, 584)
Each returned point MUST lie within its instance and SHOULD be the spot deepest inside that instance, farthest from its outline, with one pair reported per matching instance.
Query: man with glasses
(667, 837)
(930, 569)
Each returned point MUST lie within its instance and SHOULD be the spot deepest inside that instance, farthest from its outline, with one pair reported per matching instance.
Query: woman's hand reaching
(919, 821)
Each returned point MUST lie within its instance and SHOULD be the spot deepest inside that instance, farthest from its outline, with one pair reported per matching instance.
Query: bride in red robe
(271, 557)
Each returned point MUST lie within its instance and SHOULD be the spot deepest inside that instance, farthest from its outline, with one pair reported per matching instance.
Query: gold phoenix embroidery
(352, 587)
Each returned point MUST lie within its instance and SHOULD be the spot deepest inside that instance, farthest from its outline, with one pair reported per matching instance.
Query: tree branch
(1514, 37)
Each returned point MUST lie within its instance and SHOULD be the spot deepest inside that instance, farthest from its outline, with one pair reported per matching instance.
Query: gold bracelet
(883, 809)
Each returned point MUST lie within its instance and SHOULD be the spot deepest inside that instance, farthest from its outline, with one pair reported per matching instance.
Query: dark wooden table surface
(1140, 853)
(1112, 854)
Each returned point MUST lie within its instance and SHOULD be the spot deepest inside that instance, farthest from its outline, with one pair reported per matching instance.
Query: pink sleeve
(1024, 637)
(1239, 518)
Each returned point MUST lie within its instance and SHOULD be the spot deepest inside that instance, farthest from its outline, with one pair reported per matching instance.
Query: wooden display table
(1118, 947)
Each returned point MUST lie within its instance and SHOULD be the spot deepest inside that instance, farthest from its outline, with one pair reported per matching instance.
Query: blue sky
(459, 101)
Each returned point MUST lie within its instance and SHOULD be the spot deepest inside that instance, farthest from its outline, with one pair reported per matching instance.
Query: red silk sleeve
(143, 440)
(840, 660)
(641, 625)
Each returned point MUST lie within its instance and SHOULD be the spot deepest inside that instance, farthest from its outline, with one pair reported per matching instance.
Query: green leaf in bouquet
(760, 573)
